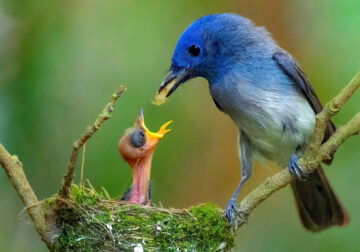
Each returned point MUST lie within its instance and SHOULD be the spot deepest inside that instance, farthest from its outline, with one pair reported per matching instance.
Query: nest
(91, 221)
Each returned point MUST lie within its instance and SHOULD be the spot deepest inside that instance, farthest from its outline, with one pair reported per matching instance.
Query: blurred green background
(61, 60)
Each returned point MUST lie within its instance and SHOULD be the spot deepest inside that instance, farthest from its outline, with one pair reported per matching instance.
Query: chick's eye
(194, 50)
(138, 138)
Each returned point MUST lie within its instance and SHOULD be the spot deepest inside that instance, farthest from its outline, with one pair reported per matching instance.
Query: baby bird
(137, 148)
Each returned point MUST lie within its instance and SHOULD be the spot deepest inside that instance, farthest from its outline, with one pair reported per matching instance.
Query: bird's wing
(288, 64)
(292, 69)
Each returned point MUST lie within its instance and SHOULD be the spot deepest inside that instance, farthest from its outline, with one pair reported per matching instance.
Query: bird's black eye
(194, 50)
(138, 138)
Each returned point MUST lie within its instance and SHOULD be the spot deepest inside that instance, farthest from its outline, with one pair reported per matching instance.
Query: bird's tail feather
(318, 205)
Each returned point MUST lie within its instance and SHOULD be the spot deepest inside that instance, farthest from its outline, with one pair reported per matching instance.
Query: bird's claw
(231, 211)
(296, 170)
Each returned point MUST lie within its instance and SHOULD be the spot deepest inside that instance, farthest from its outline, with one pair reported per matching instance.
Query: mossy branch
(315, 153)
(90, 131)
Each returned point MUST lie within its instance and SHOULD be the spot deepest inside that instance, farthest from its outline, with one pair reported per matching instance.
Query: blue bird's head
(209, 48)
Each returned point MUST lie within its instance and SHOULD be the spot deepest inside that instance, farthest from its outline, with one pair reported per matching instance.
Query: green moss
(93, 223)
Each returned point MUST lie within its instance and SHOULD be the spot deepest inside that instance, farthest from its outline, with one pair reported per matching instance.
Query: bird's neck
(141, 169)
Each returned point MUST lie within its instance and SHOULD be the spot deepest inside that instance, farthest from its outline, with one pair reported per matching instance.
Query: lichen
(92, 222)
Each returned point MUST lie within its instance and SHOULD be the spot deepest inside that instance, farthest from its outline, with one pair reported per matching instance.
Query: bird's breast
(276, 122)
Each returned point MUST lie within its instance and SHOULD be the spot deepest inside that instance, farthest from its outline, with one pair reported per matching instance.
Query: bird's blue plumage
(246, 82)
(258, 84)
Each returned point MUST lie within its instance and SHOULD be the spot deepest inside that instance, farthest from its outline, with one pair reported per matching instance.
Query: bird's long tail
(318, 205)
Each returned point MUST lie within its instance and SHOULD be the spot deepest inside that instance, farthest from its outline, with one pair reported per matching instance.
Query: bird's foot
(231, 211)
(296, 170)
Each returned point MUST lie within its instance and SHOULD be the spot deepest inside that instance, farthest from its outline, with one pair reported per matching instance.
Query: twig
(331, 109)
(45, 223)
(82, 167)
(105, 115)
(314, 154)
(341, 134)
(14, 170)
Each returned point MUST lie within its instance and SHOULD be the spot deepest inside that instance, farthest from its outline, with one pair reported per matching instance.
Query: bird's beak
(171, 83)
(149, 134)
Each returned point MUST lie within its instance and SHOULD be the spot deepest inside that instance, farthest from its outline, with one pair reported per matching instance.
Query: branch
(339, 137)
(90, 131)
(14, 170)
(46, 222)
(331, 109)
(314, 154)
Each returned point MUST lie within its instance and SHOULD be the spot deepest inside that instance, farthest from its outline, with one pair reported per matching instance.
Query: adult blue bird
(264, 91)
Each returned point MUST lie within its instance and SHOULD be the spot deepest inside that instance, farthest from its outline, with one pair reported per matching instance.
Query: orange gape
(137, 147)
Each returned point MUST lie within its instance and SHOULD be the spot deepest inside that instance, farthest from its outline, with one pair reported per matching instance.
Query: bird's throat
(141, 170)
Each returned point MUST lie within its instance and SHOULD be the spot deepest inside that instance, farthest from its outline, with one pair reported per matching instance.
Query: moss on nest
(92, 222)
